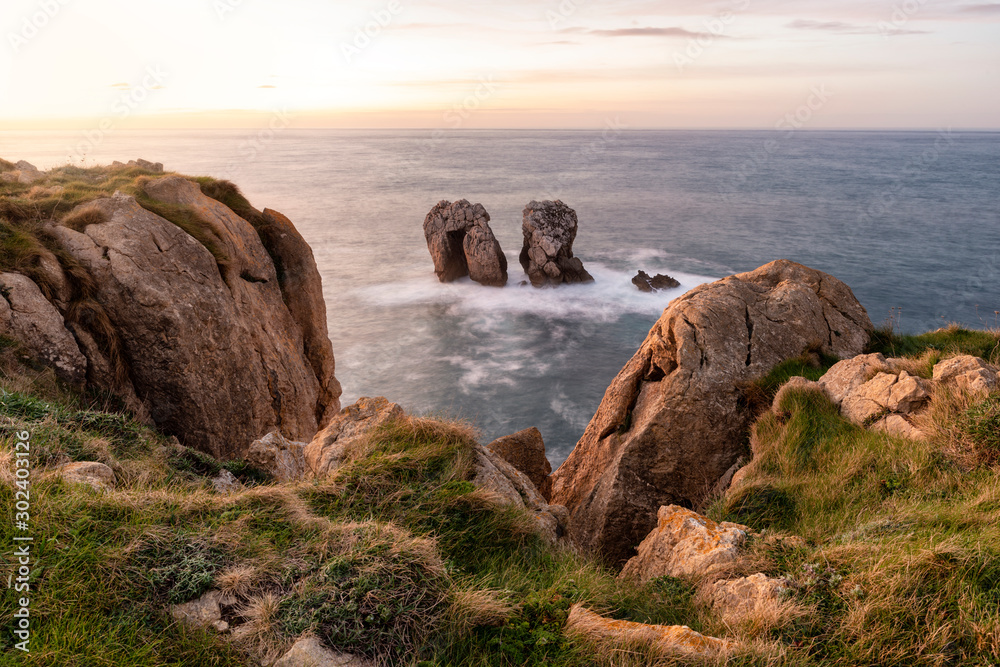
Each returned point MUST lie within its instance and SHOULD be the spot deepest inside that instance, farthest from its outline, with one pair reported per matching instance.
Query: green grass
(947, 341)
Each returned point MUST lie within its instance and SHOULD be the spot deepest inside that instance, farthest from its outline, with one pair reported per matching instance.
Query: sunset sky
(518, 63)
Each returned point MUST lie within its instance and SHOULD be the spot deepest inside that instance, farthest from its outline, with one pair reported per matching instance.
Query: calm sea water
(909, 220)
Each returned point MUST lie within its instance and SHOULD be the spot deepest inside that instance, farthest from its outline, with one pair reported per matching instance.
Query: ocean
(910, 220)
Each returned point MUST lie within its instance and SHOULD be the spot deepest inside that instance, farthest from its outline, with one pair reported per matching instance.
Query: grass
(947, 341)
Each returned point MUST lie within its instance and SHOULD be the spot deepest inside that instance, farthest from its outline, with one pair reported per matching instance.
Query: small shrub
(181, 571)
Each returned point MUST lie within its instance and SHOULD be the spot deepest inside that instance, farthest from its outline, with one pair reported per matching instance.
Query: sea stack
(461, 243)
(547, 255)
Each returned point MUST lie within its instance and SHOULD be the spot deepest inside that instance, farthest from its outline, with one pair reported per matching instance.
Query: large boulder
(549, 230)
(525, 450)
(685, 544)
(29, 318)
(205, 338)
(675, 419)
(461, 243)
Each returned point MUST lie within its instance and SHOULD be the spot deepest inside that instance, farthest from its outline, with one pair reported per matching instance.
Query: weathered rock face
(549, 230)
(685, 544)
(884, 394)
(654, 284)
(327, 451)
(461, 243)
(512, 487)
(674, 420)
(284, 459)
(208, 350)
(967, 373)
(738, 599)
(27, 317)
(525, 450)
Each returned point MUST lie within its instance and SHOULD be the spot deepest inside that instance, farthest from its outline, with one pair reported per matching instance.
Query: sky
(77, 64)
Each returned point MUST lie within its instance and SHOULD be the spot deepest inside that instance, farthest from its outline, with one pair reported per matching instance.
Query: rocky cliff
(208, 323)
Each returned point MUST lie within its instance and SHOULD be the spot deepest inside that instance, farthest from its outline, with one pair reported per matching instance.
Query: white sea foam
(608, 298)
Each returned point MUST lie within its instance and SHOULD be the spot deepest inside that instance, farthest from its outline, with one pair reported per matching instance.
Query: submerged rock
(549, 230)
(675, 419)
(461, 243)
(654, 284)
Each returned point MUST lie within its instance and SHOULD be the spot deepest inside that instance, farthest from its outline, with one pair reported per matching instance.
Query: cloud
(843, 28)
(641, 32)
(990, 9)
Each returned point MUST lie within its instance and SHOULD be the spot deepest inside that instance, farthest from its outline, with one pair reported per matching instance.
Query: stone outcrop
(967, 373)
(674, 420)
(96, 475)
(885, 402)
(847, 375)
(525, 450)
(225, 483)
(331, 446)
(667, 640)
(30, 319)
(549, 230)
(309, 651)
(654, 284)
(203, 345)
(461, 243)
(512, 487)
(756, 595)
(204, 612)
(283, 459)
(685, 544)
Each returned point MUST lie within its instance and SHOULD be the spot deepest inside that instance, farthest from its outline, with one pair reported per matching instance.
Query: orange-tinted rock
(331, 446)
(525, 450)
(685, 544)
(674, 420)
(676, 640)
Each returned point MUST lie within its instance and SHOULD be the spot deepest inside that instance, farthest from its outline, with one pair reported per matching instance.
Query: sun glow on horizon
(572, 63)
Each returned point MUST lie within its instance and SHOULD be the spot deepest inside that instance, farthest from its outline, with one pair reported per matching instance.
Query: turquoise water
(909, 220)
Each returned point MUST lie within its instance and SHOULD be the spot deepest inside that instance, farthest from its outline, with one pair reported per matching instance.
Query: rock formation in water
(549, 230)
(654, 284)
(461, 243)
(217, 340)
(674, 419)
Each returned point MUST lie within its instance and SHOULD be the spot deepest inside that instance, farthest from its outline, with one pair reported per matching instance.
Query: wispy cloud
(641, 32)
(844, 28)
(987, 9)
